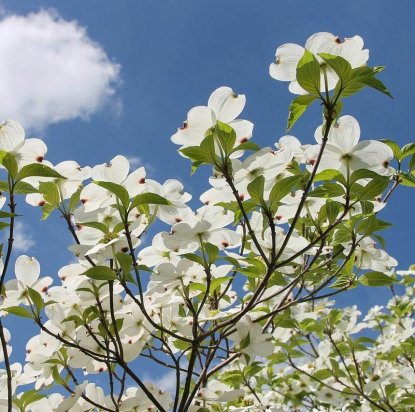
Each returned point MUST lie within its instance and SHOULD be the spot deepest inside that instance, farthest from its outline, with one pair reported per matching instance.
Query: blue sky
(172, 54)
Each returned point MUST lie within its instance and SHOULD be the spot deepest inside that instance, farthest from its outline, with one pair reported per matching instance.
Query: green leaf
(374, 188)
(4, 215)
(322, 374)
(180, 344)
(374, 83)
(327, 189)
(342, 235)
(249, 205)
(193, 153)
(195, 166)
(244, 343)
(233, 378)
(201, 287)
(116, 326)
(212, 251)
(251, 272)
(348, 266)
(226, 136)
(31, 396)
(381, 225)
(39, 170)
(344, 281)
(36, 299)
(9, 162)
(50, 193)
(57, 377)
(332, 210)
(282, 188)
(148, 199)
(74, 318)
(367, 225)
(308, 73)
(256, 189)
(232, 261)
(407, 400)
(338, 109)
(96, 225)
(372, 224)
(257, 263)
(119, 191)
(363, 174)
(376, 279)
(255, 269)
(247, 146)
(297, 108)
(408, 150)
(125, 261)
(207, 148)
(408, 179)
(194, 258)
(381, 240)
(91, 313)
(100, 273)
(3, 154)
(3, 225)
(397, 153)
(47, 209)
(217, 282)
(412, 163)
(328, 174)
(4, 186)
(340, 66)
(253, 369)
(75, 199)
(361, 77)
(367, 207)
(18, 311)
(24, 188)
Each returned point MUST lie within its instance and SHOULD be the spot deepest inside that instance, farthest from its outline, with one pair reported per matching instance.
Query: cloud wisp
(23, 238)
(52, 71)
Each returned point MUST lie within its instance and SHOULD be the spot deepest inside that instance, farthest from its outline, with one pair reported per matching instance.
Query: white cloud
(23, 238)
(166, 382)
(136, 161)
(51, 70)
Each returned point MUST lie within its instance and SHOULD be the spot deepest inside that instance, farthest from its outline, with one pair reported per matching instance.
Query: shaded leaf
(39, 170)
(308, 72)
(100, 273)
(18, 311)
(297, 108)
(376, 279)
(119, 191)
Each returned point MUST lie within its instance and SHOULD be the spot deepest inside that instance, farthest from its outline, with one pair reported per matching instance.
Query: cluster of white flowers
(345, 367)
(223, 287)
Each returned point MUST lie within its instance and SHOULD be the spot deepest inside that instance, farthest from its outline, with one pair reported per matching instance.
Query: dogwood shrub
(234, 298)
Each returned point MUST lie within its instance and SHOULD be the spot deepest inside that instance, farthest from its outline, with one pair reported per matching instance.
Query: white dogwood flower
(223, 105)
(288, 55)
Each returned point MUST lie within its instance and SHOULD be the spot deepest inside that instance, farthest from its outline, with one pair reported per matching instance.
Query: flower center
(108, 237)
